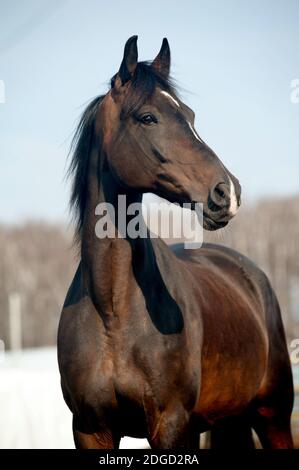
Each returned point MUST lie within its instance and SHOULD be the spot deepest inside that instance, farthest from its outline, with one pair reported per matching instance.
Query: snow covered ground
(32, 410)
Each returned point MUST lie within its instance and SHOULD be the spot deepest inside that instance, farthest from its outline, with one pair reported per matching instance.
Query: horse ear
(162, 62)
(129, 62)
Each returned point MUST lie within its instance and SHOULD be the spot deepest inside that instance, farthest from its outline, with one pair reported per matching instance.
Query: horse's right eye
(148, 119)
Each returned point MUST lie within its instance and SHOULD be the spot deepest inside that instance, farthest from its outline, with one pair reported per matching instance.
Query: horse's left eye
(148, 119)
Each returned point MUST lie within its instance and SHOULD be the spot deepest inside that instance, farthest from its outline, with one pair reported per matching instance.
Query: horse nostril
(219, 192)
(219, 197)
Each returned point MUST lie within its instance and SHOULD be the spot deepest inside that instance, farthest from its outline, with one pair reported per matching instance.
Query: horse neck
(108, 263)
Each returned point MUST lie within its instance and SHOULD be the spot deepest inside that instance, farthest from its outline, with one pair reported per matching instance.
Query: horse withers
(158, 342)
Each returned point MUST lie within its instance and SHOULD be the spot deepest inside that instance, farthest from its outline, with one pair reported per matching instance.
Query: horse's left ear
(162, 62)
(129, 62)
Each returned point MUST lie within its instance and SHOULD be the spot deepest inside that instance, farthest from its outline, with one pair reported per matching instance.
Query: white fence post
(15, 321)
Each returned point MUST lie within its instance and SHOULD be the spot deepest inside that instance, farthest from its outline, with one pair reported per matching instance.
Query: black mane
(78, 168)
(143, 85)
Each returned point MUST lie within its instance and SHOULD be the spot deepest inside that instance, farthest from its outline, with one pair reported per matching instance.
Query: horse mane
(78, 168)
(143, 85)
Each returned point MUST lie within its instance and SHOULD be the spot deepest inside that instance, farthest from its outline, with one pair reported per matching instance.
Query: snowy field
(32, 410)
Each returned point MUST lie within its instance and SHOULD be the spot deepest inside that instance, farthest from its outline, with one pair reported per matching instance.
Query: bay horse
(154, 341)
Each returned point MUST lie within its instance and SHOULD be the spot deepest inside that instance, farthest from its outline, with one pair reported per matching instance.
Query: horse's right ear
(129, 62)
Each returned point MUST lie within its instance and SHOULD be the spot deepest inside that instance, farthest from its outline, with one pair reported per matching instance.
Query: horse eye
(148, 119)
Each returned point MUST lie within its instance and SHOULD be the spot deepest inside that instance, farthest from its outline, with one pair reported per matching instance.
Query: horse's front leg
(101, 437)
(174, 429)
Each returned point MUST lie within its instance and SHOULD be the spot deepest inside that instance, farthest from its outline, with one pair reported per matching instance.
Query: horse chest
(155, 369)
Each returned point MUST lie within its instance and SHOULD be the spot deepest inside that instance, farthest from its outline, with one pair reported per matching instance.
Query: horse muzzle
(223, 202)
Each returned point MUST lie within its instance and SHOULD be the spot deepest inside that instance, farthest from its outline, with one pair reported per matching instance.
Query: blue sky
(234, 61)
